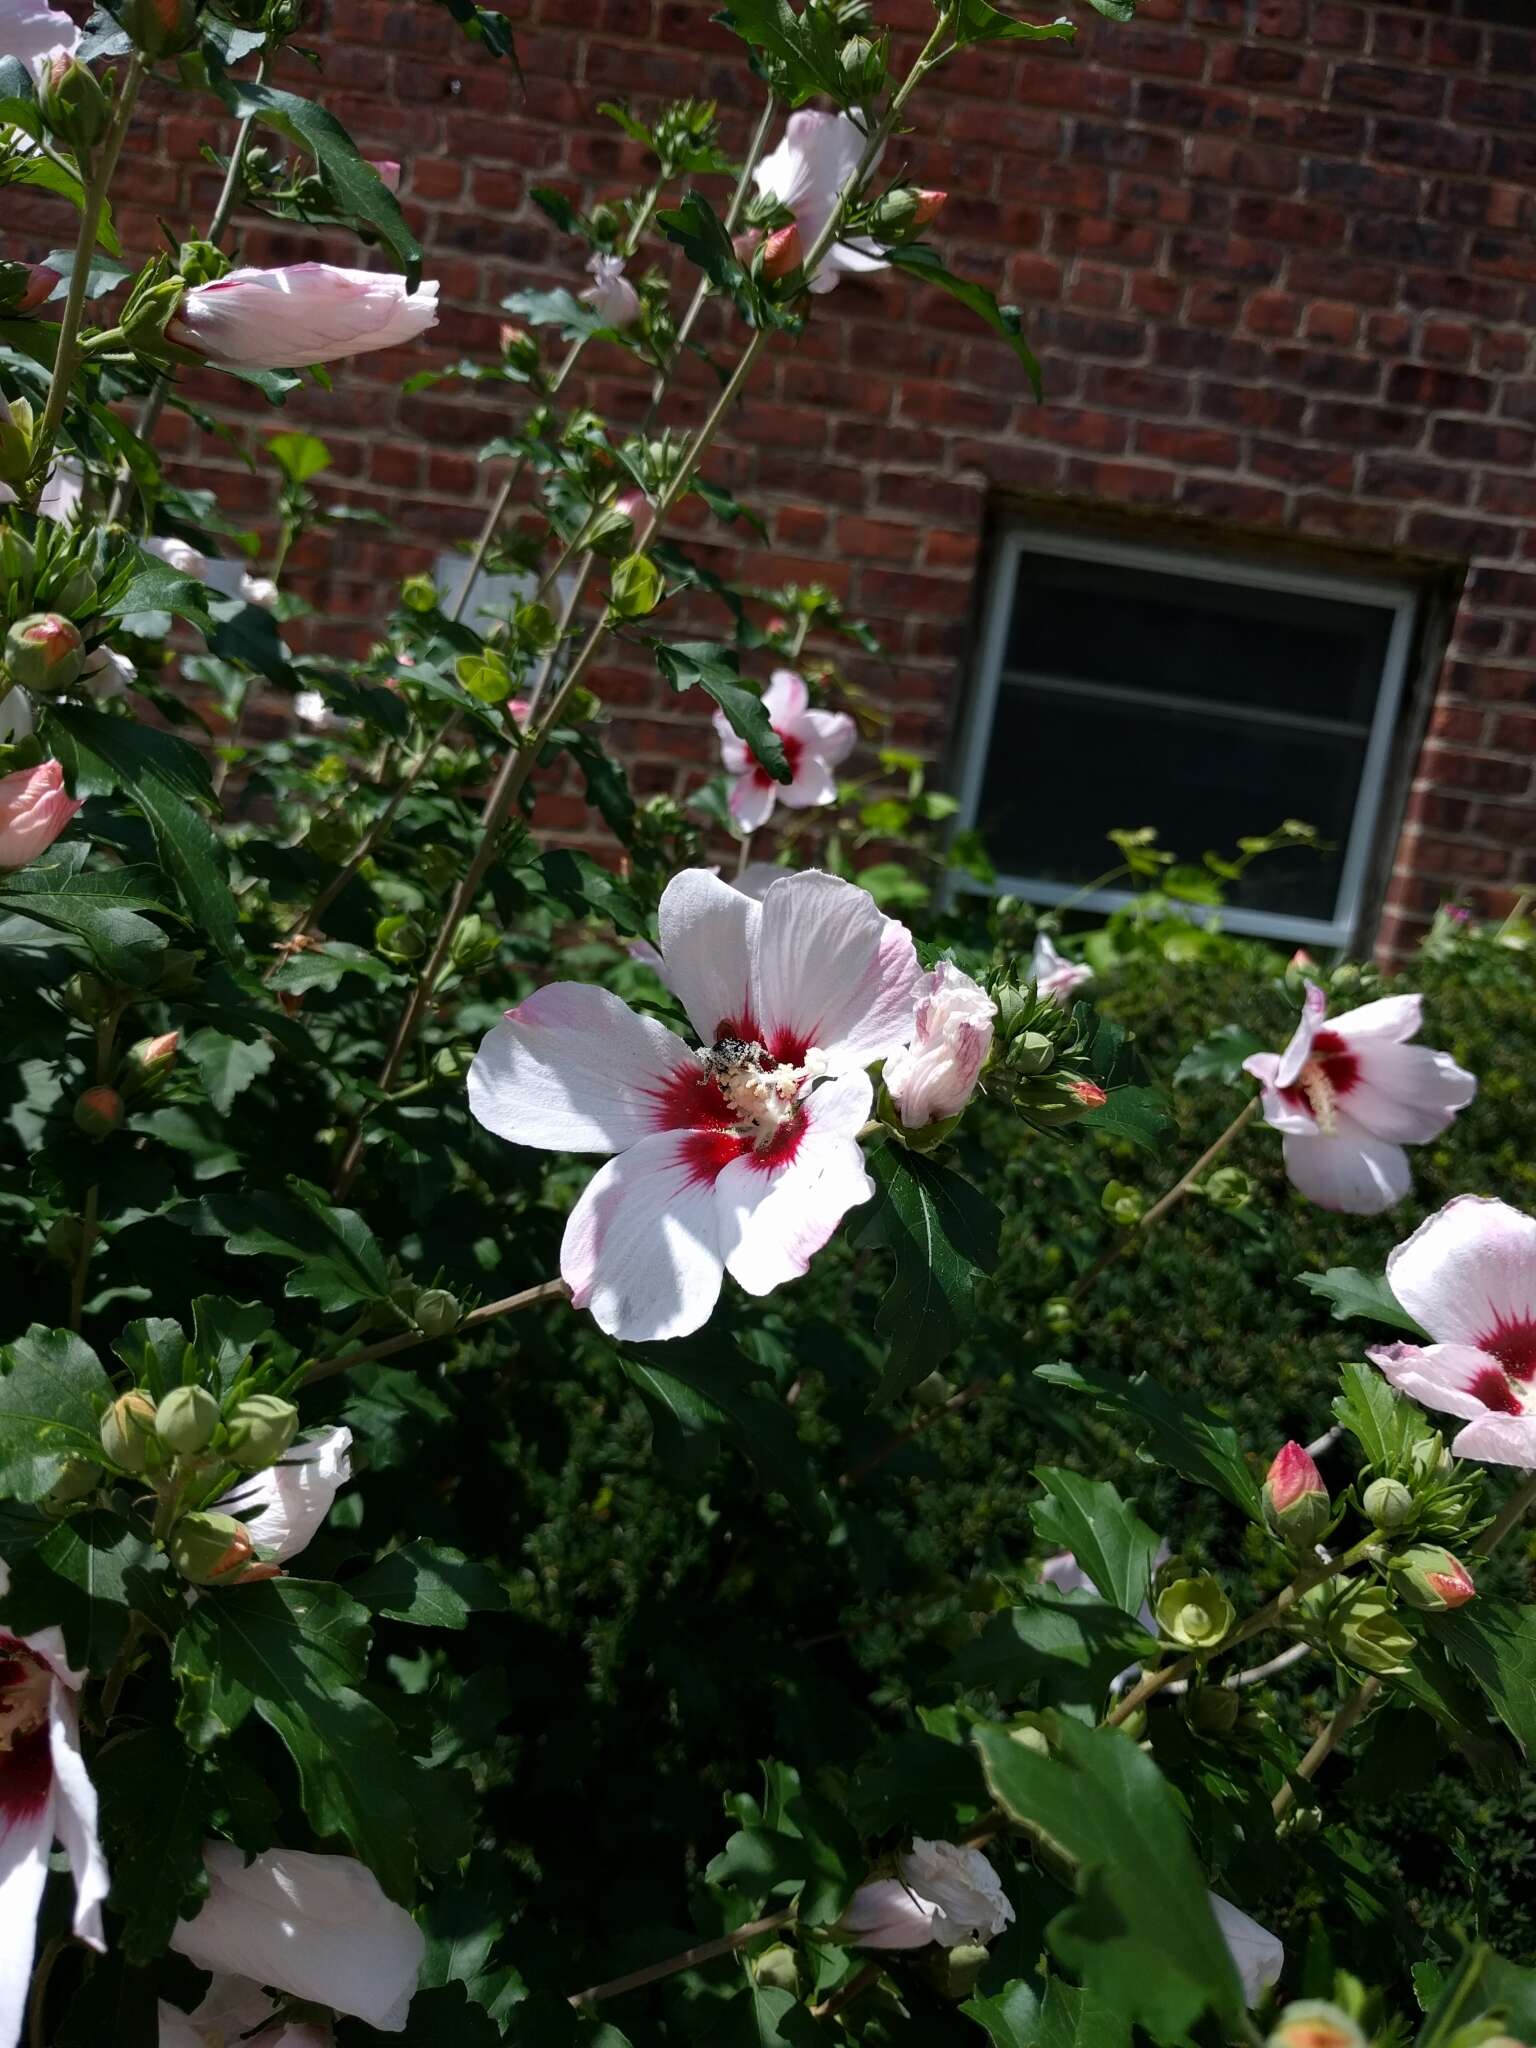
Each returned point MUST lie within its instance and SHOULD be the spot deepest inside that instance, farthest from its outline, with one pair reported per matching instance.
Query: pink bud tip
(1293, 1476)
(40, 283)
(1455, 1587)
(633, 505)
(1302, 958)
(54, 633)
(782, 253)
(161, 1048)
(1088, 1093)
(929, 206)
(388, 171)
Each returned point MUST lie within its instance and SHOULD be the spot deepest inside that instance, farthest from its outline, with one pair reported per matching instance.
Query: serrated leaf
(1060, 1650)
(977, 22)
(1141, 1934)
(335, 1259)
(943, 1234)
(1139, 1115)
(577, 322)
(1105, 1534)
(100, 908)
(226, 1066)
(1351, 1293)
(801, 65)
(1378, 1418)
(429, 1585)
(292, 1651)
(52, 1393)
(80, 1578)
(697, 664)
(1219, 1057)
(1494, 1642)
(322, 967)
(1067, 2017)
(1175, 1431)
(165, 777)
(351, 180)
(928, 267)
(299, 456)
(155, 1805)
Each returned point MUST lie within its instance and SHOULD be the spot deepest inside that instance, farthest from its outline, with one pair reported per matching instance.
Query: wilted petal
(575, 1069)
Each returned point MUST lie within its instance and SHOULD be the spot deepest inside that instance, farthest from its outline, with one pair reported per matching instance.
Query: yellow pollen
(1314, 1083)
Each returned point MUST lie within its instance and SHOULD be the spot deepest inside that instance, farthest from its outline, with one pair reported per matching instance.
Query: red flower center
(26, 1764)
(793, 747)
(1513, 1344)
(1494, 1391)
(1329, 1075)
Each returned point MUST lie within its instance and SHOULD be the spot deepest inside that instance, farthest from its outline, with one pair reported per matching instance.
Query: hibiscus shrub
(459, 1588)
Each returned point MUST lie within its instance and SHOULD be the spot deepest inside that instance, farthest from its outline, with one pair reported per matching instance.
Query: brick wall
(1279, 266)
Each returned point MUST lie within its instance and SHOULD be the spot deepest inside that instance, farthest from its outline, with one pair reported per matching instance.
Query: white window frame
(1398, 599)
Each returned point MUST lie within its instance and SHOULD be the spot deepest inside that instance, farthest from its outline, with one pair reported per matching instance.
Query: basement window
(1208, 696)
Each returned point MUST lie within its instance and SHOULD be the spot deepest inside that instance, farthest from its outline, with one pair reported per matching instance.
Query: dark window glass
(1208, 709)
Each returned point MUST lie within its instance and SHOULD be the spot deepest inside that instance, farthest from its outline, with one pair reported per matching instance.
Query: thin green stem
(67, 354)
(1333, 1733)
(530, 1297)
(689, 1959)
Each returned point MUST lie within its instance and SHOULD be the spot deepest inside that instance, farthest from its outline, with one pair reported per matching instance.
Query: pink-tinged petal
(832, 734)
(574, 1069)
(1453, 1378)
(1279, 1112)
(833, 972)
(735, 754)
(642, 1246)
(1299, 1051)
(1468, 1275)
(1499, 1440)
(811, 784)
(26, 1831)
(708, 937)
(1351, 1171)
(1408, 1093)
(74, 1817)
(1389, 1021)
(786, 699)
(775, 1218)
(1263, 1066)
(753, 798)
(884, 1914)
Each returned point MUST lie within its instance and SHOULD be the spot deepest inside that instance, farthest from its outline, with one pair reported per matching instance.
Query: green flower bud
(1126, 1205)
(260, 1430)
(1228, 1188)
(18, 559)
(1433, 1579)
(186, 1419)
(1212, 1709)
(1314, 2023)
(862, 64)
(895, 216)
(1363, 1629)
(178, 974)
(332, 837)
(778, 1968)
(98, 1112)
(1194, 1613)
(1387, 1503)
(210, 1549)
(160, 28)
(148, 1063)
(474, 943)
(485, 675)
(636, 588)
(961, 1966)
(44, 653)
(77, 1482)
(1296, 1504)
(145, 317)
(419, 594)
(127, 1432)
(87, 997)
(520, 350)
(399, 938)
(74, 107)
(1056, 1099)
(1058, 1315)
(15, 439)
(436, 1311)
(1429, 1457)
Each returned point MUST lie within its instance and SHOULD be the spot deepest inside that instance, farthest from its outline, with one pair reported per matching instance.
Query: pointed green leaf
(52, 1393)
(429, 1585)
(942, 1232)
(1367, 1296)
(1108, 1538)
(696, 664)
(1174, 1430)
(81, 1578)
(1058, 1650)
(928, 267)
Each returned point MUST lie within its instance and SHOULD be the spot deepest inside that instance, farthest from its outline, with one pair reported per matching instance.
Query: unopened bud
(930, 204)
(260, 1430)
(37, 290)
(44, 652)
(388, 171)
(1195, 1613)
(15, 439)
(1429, 1456)
(399, 938)
(160, 28)
(211, 1549)
(961, 1966)
(436, 1311)
(1364, 1630)
(18, 559)
(520, 349)
(1122, 1204)
(149, 1061)
(77, 593)
(894, 217)
(778, 1968)
(474, 943)
(418, 594)
(1314, 2023)
(73, 105)
(1296, 1504)
(1433, 1579)
(127, 1432)
(186, 1419)
(1052, 1100)
(98, 1112)
(1212, 1709)
(78, 1481)
(782, 253)
(862, 64)
(1387, 1503)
